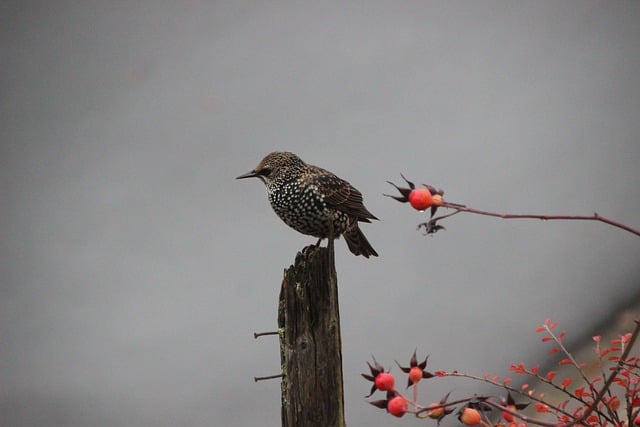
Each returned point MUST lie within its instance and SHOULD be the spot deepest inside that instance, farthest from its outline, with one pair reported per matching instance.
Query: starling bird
(314, 201)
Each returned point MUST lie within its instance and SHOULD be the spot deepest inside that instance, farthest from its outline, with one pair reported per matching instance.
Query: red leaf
(596, 338)
(551, 375)
(626, 337)
(541, 407)
(580, 391)
(506, 380)
(539, 329)
(622, 382)
(608, 350)
(545, 339)
(592, 419)
(613, 403)
(534, 370)
(518, 369)
(440, 373)
(554, 350)
(565, 362)
(566, 382)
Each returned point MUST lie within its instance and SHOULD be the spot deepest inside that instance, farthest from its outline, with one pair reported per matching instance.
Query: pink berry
(470, 417)
(420, 198)
(415, 374)
(397, 406)
(385, 381)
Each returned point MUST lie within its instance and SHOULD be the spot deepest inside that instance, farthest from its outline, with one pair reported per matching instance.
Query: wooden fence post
(310, 343)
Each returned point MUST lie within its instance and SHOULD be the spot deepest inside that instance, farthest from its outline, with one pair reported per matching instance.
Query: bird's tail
(357, 242)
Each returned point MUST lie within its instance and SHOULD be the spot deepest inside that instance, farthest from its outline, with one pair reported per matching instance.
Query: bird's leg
(318, 242)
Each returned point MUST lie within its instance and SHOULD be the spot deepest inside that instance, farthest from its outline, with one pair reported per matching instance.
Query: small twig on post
(257, 335)
(268, 377)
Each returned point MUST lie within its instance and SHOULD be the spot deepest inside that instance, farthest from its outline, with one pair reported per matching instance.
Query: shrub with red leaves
(609, 398)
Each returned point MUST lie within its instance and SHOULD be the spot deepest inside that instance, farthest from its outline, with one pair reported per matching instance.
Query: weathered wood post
(310, 343)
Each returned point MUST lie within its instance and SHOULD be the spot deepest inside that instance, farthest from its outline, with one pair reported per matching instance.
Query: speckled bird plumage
(314, 201)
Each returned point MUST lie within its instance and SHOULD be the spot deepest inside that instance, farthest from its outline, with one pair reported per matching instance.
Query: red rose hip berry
(384, 381)
(508, 416)
(470, 417)
(436, 413)
(420, 198)
(397, 406)
(415, 374)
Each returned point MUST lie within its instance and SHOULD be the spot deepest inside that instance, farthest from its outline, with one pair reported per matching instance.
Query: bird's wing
(340, 195)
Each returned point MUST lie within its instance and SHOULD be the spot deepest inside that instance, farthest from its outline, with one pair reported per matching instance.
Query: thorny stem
(595, 217)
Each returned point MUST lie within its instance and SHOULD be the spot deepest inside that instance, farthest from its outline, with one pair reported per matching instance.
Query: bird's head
(279, 165)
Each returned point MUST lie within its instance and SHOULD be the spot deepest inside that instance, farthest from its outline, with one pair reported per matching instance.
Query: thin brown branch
(525, 418)
(444, 405)
(595, 217)
(566, 352)
(507, 387)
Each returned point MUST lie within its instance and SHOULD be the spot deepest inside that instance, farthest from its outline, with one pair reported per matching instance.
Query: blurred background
(135, 269)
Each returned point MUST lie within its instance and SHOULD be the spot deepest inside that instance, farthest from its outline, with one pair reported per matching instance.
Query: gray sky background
(135, 268)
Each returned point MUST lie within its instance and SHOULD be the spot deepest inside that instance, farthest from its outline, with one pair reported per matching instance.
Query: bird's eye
(266, 171)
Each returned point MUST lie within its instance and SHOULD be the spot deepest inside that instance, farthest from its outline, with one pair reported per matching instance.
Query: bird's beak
(250, 174)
